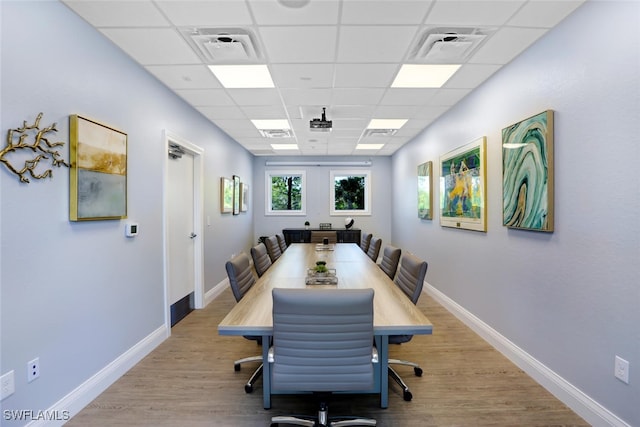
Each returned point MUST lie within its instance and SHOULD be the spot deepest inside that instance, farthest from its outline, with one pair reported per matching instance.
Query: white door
(181, 236)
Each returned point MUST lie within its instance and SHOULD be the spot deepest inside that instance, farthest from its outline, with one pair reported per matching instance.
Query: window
(350, 192)
(286, 193)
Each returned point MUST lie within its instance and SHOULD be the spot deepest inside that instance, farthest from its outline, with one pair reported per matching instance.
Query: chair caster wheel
(236, 367)
(248, 388)
(418, 372)
(407, 396)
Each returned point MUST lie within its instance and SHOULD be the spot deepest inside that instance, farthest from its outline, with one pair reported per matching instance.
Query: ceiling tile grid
(341, 55)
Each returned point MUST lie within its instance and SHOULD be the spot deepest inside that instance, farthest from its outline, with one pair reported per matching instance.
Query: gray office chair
(281, 242)
(364, 241)
(261, 259)
(273, 248)
(390, 259)
(374, 248)
(410, 279)
(241, 279)
(322, 343)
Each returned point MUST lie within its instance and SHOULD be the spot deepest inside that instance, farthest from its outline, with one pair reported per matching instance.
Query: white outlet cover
(7, 385)
(622, 370)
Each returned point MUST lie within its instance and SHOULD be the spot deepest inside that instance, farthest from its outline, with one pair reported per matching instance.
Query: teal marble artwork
(527, 173)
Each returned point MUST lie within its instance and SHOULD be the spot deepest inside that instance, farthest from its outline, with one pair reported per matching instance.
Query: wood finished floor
(189, 381)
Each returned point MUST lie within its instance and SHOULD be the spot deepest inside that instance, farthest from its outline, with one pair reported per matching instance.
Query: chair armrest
(270, 355)
(374, 355)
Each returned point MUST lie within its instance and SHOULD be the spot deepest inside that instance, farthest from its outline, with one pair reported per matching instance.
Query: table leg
(382, 343)
(266, 372)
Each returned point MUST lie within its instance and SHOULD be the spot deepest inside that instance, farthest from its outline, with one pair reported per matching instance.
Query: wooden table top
(394, 313)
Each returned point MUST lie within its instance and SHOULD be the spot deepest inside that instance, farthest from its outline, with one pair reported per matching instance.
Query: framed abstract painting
(98, 174)
(425, 190)
(527, 173)
(463, 187)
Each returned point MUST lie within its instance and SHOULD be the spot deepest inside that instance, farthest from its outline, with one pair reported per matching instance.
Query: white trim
(367, 192)
(365, 163)
(216, 291)
(268, 208)
(86, 392)
(198, 207)
(590, 410)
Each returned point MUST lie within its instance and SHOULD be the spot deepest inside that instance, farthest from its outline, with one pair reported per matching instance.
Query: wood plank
(189, 381)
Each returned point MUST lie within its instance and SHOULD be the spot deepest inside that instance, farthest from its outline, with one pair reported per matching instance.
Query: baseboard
(215, 292)
(75, 401)
(590, 410)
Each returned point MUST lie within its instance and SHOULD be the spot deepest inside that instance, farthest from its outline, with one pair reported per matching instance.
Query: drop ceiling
(342, 55)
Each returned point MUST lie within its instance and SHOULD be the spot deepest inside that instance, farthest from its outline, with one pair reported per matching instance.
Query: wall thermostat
(131, 229)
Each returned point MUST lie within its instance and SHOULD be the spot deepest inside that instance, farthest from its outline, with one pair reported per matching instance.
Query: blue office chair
(273, 248)
(390, 259)
(322, 343)
(261, 259)
(410, 279)
(241, 279)
(281, 242)
(374, 248)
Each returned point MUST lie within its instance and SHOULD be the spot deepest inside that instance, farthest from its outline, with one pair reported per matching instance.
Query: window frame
(269, 192)
(367, 192)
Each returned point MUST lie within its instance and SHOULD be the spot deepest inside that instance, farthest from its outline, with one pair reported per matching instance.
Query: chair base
(406, 393)
(322, 420)
(248, 387)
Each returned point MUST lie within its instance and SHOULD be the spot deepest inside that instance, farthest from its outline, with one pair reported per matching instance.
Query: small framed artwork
(463, 187)
(425, 190)
(527, 173)
(244, 197)
(98, 174)
(236, 194)
(226, 195)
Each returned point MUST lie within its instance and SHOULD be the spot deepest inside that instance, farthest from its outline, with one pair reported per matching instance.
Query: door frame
(198, 214)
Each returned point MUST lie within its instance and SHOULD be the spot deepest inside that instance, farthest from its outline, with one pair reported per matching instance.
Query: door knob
(192, 235)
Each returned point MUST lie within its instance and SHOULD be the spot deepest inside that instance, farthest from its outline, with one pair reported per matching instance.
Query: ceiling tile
(302, 75)
(365, 75)
(401, 96)
(449, 96)
(304, 97)
(374, 43)
(255, 96)
(151, 46)
(299, 44)
(395, 111)
(272, 12)
(357, 96)
(222, 112)
(264, 112)
(206, 13)
(384, 12)
(473, 12)
(184, 76)
(119, 13)
(505, 45)
(544, 13)
(471, 75)
(205, 97)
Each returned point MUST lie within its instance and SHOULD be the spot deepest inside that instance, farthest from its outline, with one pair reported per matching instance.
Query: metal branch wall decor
(40, 148)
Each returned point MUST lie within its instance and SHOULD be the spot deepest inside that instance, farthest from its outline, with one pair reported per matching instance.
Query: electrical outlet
(622, 370)
(7, 385)
(33, 369)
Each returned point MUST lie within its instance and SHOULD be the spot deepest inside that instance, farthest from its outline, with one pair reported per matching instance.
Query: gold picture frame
(98, 173)
(226, 195)
(463, 187)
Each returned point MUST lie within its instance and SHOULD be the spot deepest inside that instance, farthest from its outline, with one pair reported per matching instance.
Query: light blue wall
(318, 187)
(570, 299)
(79, 295)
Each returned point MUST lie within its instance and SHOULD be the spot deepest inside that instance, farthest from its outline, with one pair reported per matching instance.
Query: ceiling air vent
(378, 132)
(220, 45)
(449, 45)
(276, 133)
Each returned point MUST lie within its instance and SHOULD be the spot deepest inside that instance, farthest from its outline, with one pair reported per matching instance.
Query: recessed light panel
(271, 124)
(386, 123)
(242, 76)
(424, 75)
(284, 146)
(369, 146)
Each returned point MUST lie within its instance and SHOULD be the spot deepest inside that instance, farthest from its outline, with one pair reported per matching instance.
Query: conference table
(394, 313)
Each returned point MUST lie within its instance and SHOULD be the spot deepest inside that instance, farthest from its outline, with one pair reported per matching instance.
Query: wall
(569, 299)
(81, 295)
(318, 187)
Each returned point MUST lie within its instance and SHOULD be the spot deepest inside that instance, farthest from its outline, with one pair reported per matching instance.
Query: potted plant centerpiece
(321, 267)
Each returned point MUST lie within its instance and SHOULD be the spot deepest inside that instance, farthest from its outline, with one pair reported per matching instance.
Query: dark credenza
(303, 235)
